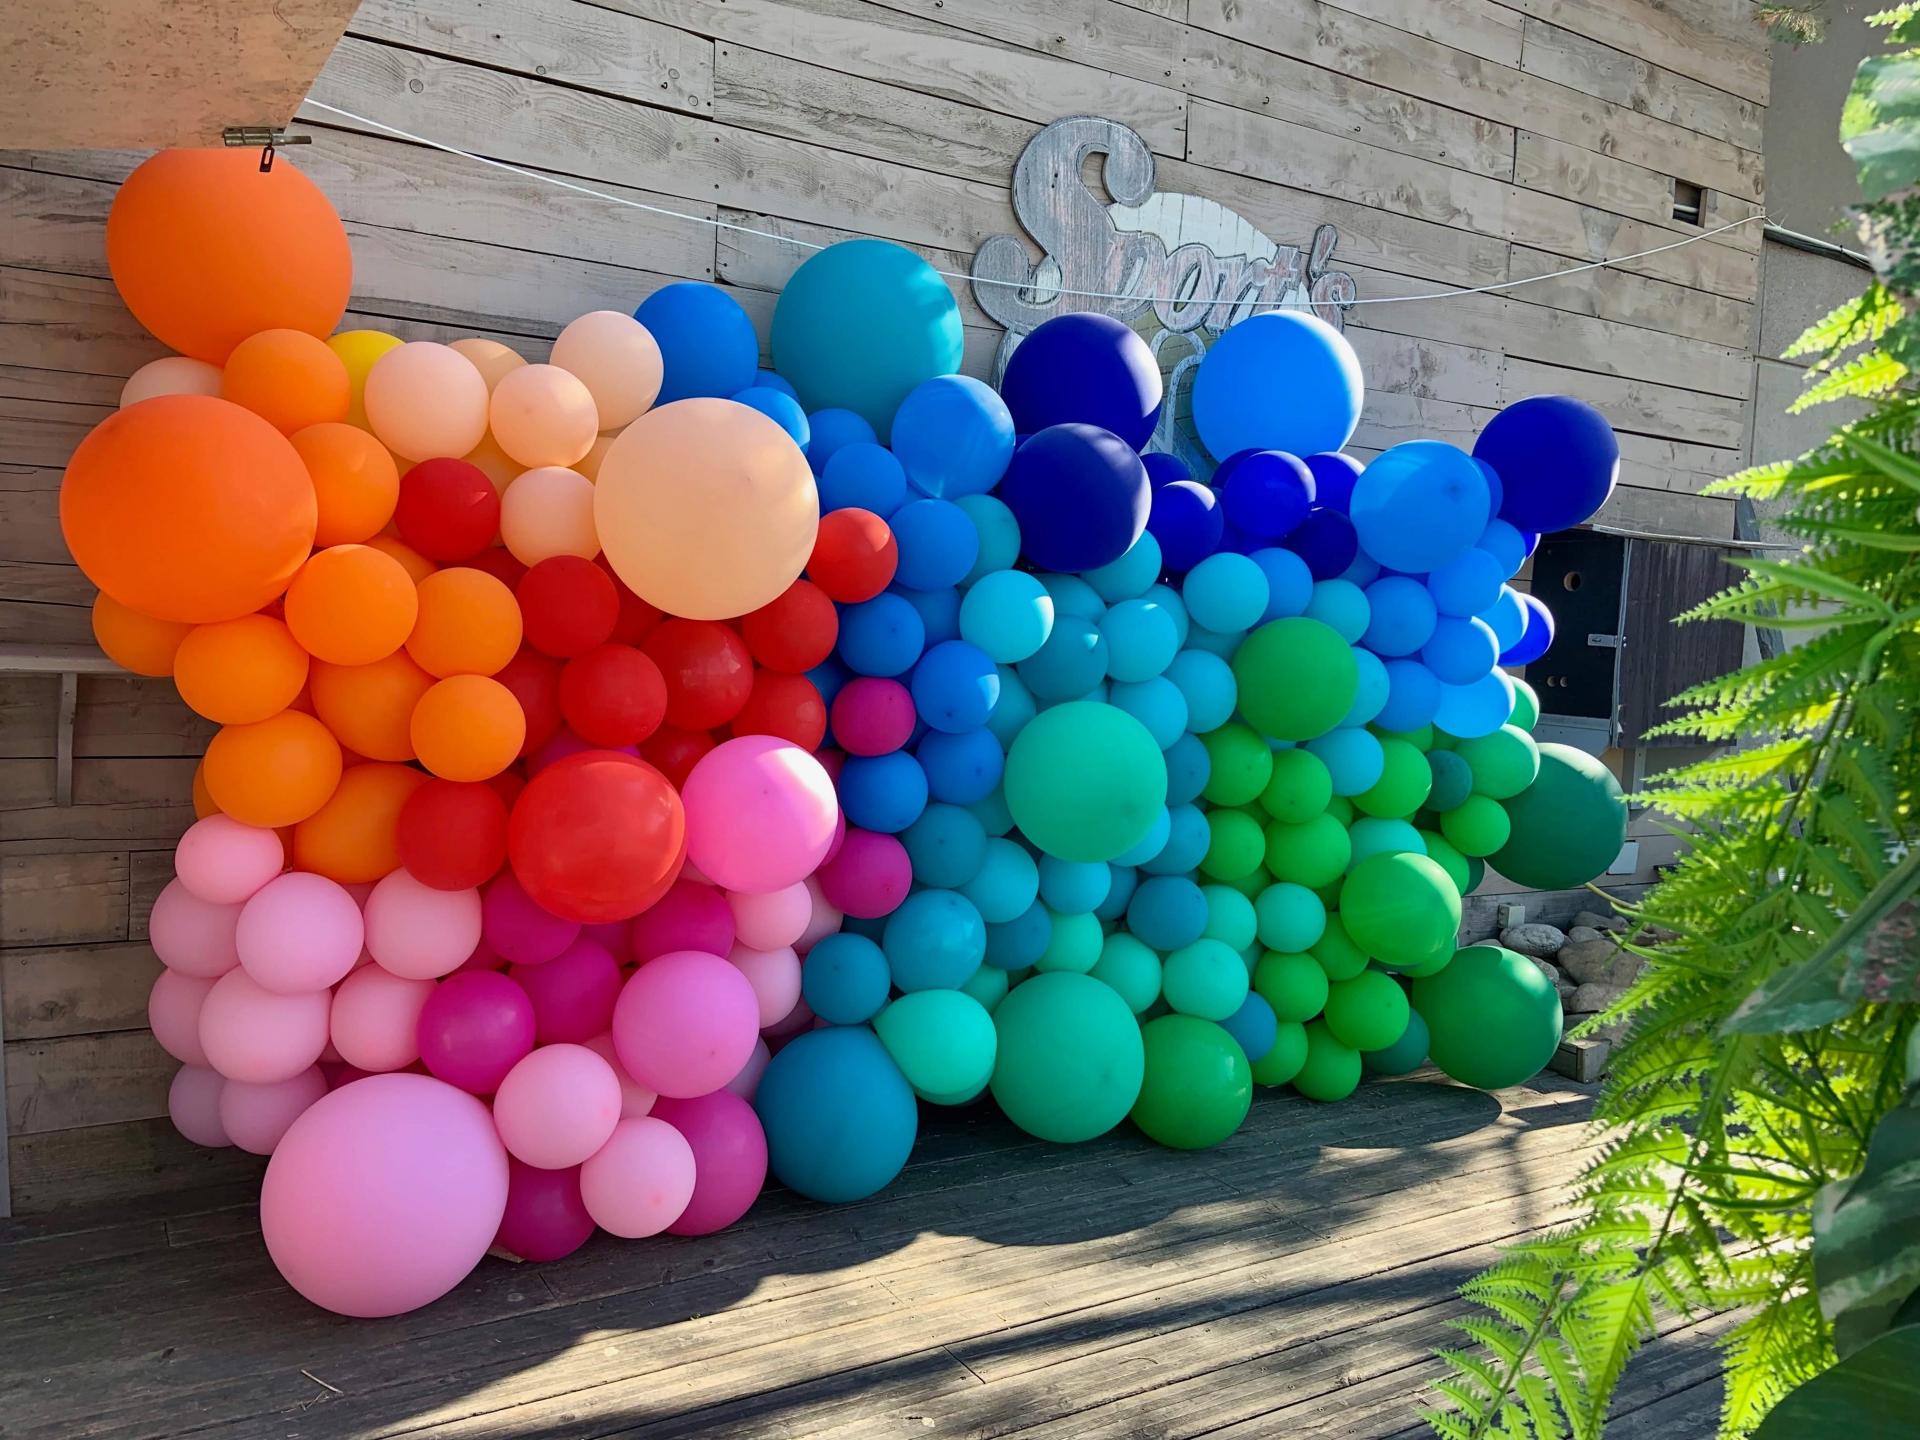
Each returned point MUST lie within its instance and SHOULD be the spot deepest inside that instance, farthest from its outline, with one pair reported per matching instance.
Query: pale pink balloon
(761, 813)
(748, 1080)
(548, 512)
(192, 936)
(618, 361)
(254, 1034)
(766, 922)
(255, 1117)
(223, 862)
(635, 1099)
(801, 1017)
(376, 1019)
(301, 932)
(543, 415)
(823, 918)
(171, 375)
(384, 1195)
(424, 399)
(640, 1181)
(419, 932)
(173, 1014)
(775, 977)
(685, 1023)
(557, 1106)
(193, 1104)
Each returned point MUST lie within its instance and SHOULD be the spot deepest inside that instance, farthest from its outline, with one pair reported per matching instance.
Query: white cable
(979, 280)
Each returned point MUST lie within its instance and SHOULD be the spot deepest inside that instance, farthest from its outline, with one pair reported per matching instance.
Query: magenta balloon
(299, 932)
(474, 1028)
(760, 813)
(516, 926)
(257, 1117)
(192, 935)
(224, 862)
(251, 1033)
(557, 1106)
(573, 994)
(690, 916)
(729, 1158)
(173, 1014)
(375, 1019)
(685, 1023)
(545, 1217)
(869, 877)
(611, 937)
(384, 1195)
(193, 1104)
(872, 716)
(640, 1181)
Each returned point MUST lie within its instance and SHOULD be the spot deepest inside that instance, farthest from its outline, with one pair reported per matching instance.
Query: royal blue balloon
(1084, 369)
(1187, 522)
(1156, 703)
(1326, 541)
(954, 436)
(1164, 469)
(1342, 606)
(961, 769)
(1207, 682)
(937, 541)
(883, 792)
(1538, 636)
(1289, 582)
(1254, 1027)
(1074, 887)
(1413, 697)
(881, 636)
(1281, 380)
(1371, 688)
(1080, 494)
(1265, 493)
(779, 407)
(955, 687)
(1469, 584)
(1333, 476)
(1167, 912)
(999, 534)
(863, 476)
(1470, 711)
(1071, 663)
(1353, 758)
(1006, 883)
(1188, 839)
(947, 846)
(844, 978)
(1400, 616)
(1142, 639)
(1189, 767)
(1531, 539)
(939, 612)
(1125, 880)
(1461, 650)
(839, 1116)
(1505, 544)
(707, 344)
(1557, 459)
(767, 379)
(1507, 617)
(1419, 505)
(934, 941)
(1496, 492)
(1018, 943)
(1226, 593)
(834, 430)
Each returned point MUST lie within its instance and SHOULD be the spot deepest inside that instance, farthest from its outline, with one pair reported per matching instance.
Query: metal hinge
(1608, 642)
(269, 138)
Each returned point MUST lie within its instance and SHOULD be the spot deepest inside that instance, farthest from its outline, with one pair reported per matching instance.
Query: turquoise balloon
(943, 1041)
(1085, 781)
(1070, 1060)
(845, 979)
(1157, 704)
(1131, 969)
(1006, 883)
(1008, 614)
(1207, 681)
(1205, 979)
(999, 534)
(1130, 576)
(947, 846)
(1074, 887)
(1403, 1056)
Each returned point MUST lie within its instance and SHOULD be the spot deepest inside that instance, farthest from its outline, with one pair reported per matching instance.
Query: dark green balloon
(1297, 678)
(1399, 908)
(1567, 827)
(1332, 1070)
(1493, 1019)
(1526, 705)
(1197, 1086)
(1069, 1059)
(1405, 1055)
(1280, 1064)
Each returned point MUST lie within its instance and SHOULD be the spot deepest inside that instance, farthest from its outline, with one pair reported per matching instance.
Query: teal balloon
(1006, 883)
(1085, 781)
(1070, 1058)
(1074, 887)
(999, 534)
(845, 979)
(946, 845)
(839, 1116)
(1403, 1056)
(861, 324)
(943, 1041)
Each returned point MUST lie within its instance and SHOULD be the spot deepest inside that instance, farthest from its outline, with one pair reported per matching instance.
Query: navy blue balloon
(961, 769)
(1084, 369)
(1413, 697)
(1557, 459)
(862, 475)
(1265, 493)
(828, 677)
(1538, 636)
(840, 1118)
(883, 792)
(1461, 650)
(1187, 521)
(1531, 539)
(1018, 943)
(882, 636)
(707, 344)
(1254, 1027)
(1080, 494)
(955, 687)
(1164, 469)
(937, 541)
(1167, 911)
(1327, 542)
(1333, 476)
(779, 407)
(834, 430)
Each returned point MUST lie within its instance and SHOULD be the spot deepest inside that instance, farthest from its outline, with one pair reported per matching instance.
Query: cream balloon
(618, 361)
(543, 415)
(548, 512)
(426, 400)
(179, 375)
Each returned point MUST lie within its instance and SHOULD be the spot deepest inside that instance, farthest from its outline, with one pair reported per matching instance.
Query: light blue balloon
(1074, 887)
(1461, 650)
(1468, 584)
(1226, 592)
(1073, 596)
(1206, 679)
(1189, 767)
(844, 979)
(1142, 640)
(1168, 599)
(1156, 703)
(1188, 839)
(1008, 614)
(1071, 663)
(779, 407)
(840, 1118)
(946, 845)
(1342, 605)
(934, 941)
(1372, 835)
(1353, 758)
(1413, 697)
(1505, 544)
(833, 430)
(1401, 615)
(1214, 642)
(1370, 690)
(1149, 844)
(1006, 883)
(999, 534)
(1233, 389)
(1289, 583)
(954, 435)
(1419, 505)
(962, 769)
(707, 343)
(1470, 711)
(1017, 706)
(1507, 617)
(1132, 575)
(1167, 912)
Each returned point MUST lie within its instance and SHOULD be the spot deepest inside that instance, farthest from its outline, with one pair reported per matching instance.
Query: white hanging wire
(1027, 284)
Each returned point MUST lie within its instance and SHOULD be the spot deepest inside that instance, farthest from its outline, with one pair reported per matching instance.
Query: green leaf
(1897, 541)
(1866, 1247)
(1885, 151)
(1872, 1395)
(1891, 463)
(1808, 577)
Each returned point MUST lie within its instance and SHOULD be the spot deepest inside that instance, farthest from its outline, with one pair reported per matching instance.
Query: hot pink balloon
(773, 919)
(760, 813)
(419, 932)
(518, 928)
(299, 932)
(870, 877)
(641, 1180)
(573, 994)
(685, 1023)
(545, 1219)
(256, 1117)
(192, 935)
(384, 1195)
(557, 1106)
(775, 977)
(474, 1028)
(484, 957)
(173, 1014)
(611, 937)
(729, 1159)
(635, 1099)
(193, 1104)
(254, 1034)
(375, 1016)
(224, 862)
(690, 916)
(748, 1080)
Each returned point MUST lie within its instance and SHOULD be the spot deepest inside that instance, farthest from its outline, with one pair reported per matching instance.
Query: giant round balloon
(1085, 781)
(1070, 1059)
(1493, 1019)
(1567, 826)
(840, 1117)
(1419, 505)
(597, 836)
(1284, 380)
(1086, 369)
(1080, 494)
(1557, 459)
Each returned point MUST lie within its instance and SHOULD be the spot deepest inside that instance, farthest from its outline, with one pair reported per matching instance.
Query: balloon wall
(642, 773)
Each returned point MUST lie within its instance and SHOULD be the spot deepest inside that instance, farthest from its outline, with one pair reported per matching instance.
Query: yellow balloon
(706, 508)
(358, 349)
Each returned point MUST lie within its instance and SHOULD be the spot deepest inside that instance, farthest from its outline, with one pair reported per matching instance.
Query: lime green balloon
(1441, 851)
(1477, 826)
(1236, 846)
(1403, 784)
(1339, 955)
(1299, 788)
(988, 985)
(1493, 1019)
(1204, 979)
(943, 1041)
(1294, 985)
(1070, 1059)
(1399, 908)
(1297, 678)
(1198, 1086)
(1280, 1064)
(1085, 781)
(1405, 1055)
(1526, 705)
(1075, 945)
(1312, 853)
(1241, 765)
(1130, 968)
(1331, 1070)
(1368, 1012)
(1567, 827)
(1503, 763)
(1290, 917)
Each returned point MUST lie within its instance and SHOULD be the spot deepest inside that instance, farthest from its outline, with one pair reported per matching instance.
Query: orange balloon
(354, 837)
(468, 727)
(469, 624)
(236, 672)
(355, 482)
(133, 641)
(352, 605)
(203, 805)
(206, 249)
(370, 707)
(274, 772)
(417, 566)
(188, 508)
(287, 378)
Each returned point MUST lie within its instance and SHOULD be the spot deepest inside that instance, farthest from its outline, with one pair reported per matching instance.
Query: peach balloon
(417, 566)
(492, 359)
(706, 508)
(469, 624)
(352, 605)
(170, 375)
(173, 1014)
(136, 642)
(193, 1104)
(252, 1033)
(355, 482)
(491, 461)
(240, 671)
(370, 707)
(275, 772)
(353, 838)
(358, 349)
(425, 399)
(203, 805)
(288, 378)
(549, 512)
(256, 1116)
(376, 1019)
(543, 415)
(618, 361)
(589, 466)
(468, 727)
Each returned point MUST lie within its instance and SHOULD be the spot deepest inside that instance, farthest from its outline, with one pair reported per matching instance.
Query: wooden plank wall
(1454, 143)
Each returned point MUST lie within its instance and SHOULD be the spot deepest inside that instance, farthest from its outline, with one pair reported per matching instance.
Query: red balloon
(613, 695)
(508, 784)
(448, 510)
(452, 835)
(854, 555)
(674, 752)
(708, 671)
(498, 562)
(784, 705)
(795, 632)
(545, 1218)
(597, 836)
(567, 605)
(534, 680)
(637, 617)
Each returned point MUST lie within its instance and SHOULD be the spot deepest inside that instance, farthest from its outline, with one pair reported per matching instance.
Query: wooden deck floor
(1288, 1284)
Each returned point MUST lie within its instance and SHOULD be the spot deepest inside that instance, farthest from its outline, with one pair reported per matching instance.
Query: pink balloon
(193, 1104)
(748, 1080)
(573, 994)
(419, 932)
(557, 1106)
(384, 1195)
(224, 862)
(872, 716)
(839, 830)
(484, 957)
(518, 928)
(342, 1074)
(375, 1016)
(797, 1019)
(823, 917)
(635, 1099)
(766, 922)
(545, 1219)
(254, 1034)
(641, 1180)
(760, 813)
(258, 1116)
(775, 977)
(192, 935)
(475, 1027)
(690, 916)
(870, 877)
(729, 1159)
(685, 1023)
(173, 1014)
(299, 932)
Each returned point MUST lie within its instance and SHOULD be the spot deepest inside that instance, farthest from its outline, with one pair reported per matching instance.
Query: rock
(1595, 920)
(1591, 999)
(1538, 941)
(1585, 932)
(1598, 962)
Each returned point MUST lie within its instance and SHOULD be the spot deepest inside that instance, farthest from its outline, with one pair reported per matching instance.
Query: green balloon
(1237, 846)
(1085, 781)
(1241, 765)
(1230, 916)
(1427, 965)
(1070, 1058)
(1368, 1012)
(1074, 946)
(1504, 762)
(1130, 968)
(1206, 979)
(1399, 908)
(1294, 985)
(1478, 826)
(1452, 781)
(1403, 784)
(1312, 853)
(1290, 917)
(1440, 850)
(1526, 705)
(1300, 788)
(1331, 1070)
(1371, 836)
(1405, 1055)
(1421, 739)
(988, 985)
(1280, 1064)
(1198, 1086)
(1341, 809)
(1336, 951)
(942, 1040)
(1492, 1018)
(1568, 826)
(1297, 678)
(1476, 872)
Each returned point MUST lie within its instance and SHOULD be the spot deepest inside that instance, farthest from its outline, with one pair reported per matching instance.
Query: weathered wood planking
(1717, 41)
(1597, 69)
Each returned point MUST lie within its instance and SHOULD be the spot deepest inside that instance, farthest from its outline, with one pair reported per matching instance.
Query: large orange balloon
(469, 624)
(188, 508)
(137, 642)
(468, 727)
(274, 773)
(206, 249)
(288, 378)
(352, 605)
(706, 508)
(354, 837)
(370, 707)
(355, 482)
(236, 672)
